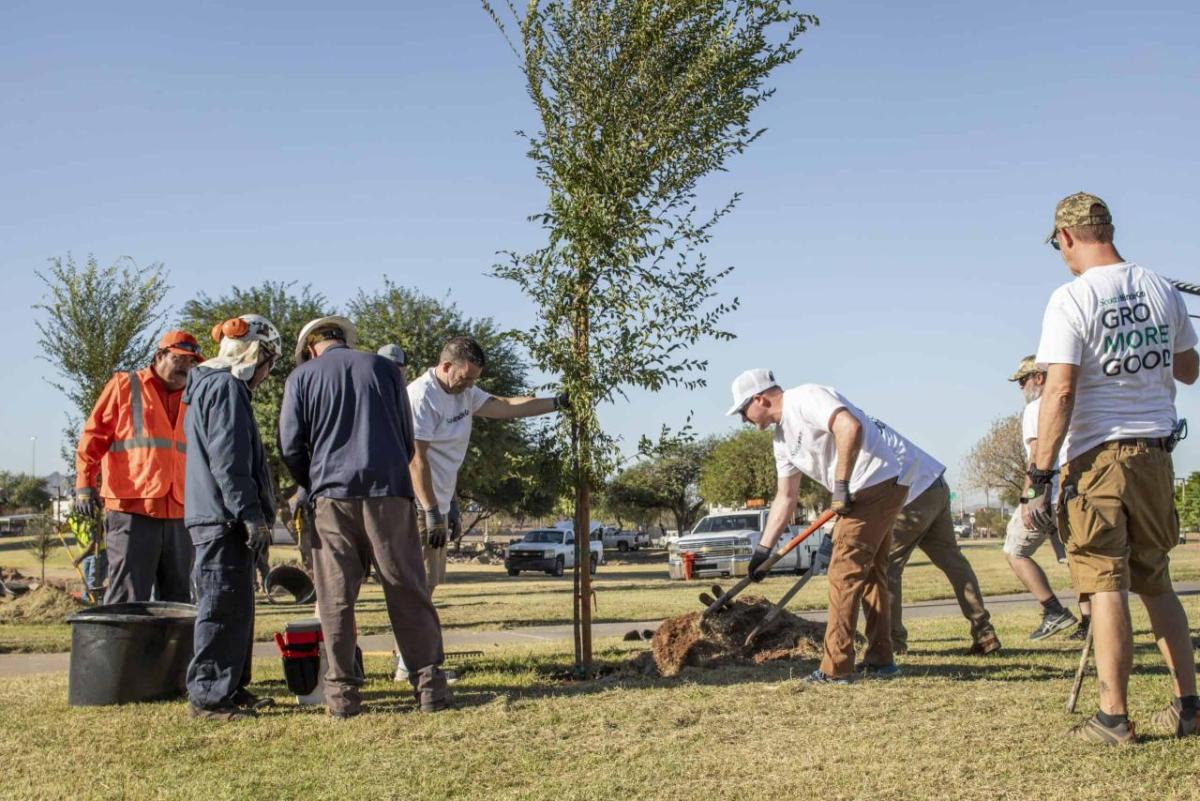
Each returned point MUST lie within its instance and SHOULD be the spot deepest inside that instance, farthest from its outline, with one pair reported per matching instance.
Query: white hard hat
(249, 328)
(349, 333)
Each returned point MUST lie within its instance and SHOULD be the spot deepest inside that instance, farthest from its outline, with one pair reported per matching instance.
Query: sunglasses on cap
(185, 346)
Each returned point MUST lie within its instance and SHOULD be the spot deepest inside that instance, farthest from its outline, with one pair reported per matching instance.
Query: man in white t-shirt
(1022, 540)
(821, 434)
(1114, 343)
(926, 522)
(444, 401)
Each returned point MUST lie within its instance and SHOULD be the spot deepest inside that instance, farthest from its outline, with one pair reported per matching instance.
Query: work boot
(225, 712)
(1172, 721)
(987, 644)
(248, 700)
(1095, 732)
(1080, 633)
(1052, 623)
(430, 689)
(821, 677)
(888, 671)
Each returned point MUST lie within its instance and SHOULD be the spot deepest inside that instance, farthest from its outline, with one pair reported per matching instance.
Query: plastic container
(289, 580)
(131, 652)
(302, 648)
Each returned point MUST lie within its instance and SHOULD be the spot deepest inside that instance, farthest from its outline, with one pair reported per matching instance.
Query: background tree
(636, 100)
(1187, 503)
(512, 467)
(989, 522)
(288, 308)
(741, 467)
(23, 491)
(96, 321)
(672, 474)
(998, 460)
(628, 497)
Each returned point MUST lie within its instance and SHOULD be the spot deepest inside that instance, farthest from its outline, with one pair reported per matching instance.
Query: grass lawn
(632, 588)
(953, 726)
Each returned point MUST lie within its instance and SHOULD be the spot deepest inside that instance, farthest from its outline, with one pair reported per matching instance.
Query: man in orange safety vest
(131, 457)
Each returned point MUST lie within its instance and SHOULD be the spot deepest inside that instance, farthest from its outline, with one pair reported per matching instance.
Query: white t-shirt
(1121, 324)
(1029, 432)
(804, 443)
(918, 470)
(444, 421)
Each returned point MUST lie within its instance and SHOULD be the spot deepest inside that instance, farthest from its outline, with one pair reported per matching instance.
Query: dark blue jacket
(345, 429)
(228, 480)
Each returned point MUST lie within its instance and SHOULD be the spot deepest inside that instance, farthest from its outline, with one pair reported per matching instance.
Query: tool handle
(1083, 661)
(777, 609)
(772, 560)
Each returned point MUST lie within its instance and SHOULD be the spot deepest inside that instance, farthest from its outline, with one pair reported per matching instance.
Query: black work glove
(435, 527)
(85, 504)
(1041, 510)
(561, 401)
(761, 554)
(843, 501)
(258, 536)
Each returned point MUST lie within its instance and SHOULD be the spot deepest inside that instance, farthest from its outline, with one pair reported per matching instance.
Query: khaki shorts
(1020, 541)
(1121, 524)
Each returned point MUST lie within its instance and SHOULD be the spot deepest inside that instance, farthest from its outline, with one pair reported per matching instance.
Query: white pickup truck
(549, 550)
(721, 545)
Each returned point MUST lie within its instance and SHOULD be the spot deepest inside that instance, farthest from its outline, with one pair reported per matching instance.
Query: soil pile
(46, 604)
(685, 640)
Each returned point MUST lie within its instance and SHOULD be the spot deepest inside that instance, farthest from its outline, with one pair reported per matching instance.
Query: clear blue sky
(889, 242)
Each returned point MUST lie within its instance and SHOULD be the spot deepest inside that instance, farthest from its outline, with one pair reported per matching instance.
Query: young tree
(288, 308)
(96, 321)
(998, 460)
(636, 100)
(41, 540)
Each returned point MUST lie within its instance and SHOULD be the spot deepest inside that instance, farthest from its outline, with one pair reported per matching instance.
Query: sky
(889, 240)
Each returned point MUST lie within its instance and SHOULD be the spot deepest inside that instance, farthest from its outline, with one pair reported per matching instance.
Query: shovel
(717, 592)
(766, 566)
(777, 609)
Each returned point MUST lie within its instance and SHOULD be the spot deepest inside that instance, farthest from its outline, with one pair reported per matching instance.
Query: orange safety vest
(146, 457)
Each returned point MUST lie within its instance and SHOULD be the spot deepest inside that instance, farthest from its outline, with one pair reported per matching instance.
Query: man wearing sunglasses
(1022, 539)
(130, 465)
(818, 432)
(1114, 343)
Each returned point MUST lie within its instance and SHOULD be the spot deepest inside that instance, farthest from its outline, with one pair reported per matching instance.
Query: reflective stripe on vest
(138, 440)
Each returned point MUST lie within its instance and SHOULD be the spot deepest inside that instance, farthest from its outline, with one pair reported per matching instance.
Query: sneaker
(888, 671)
(248, 700)
(1052, 624)
(225, 713)
(1095, 732)
(1079, 634)
(987, 644)
(820, 677)
(1170, 721)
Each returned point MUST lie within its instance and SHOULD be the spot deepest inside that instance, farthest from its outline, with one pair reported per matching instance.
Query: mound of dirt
(46, 604)
(686, 641)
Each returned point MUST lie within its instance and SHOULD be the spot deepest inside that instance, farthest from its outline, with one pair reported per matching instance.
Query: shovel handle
(1083, 661)
(772, 560)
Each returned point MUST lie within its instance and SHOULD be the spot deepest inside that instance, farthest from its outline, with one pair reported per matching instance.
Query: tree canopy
(998, 460)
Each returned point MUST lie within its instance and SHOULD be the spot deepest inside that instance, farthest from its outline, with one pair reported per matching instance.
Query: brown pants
(858, 573)
(350, 534)
(926, 523)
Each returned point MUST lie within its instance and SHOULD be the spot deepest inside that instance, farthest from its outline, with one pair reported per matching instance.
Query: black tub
(126, 653)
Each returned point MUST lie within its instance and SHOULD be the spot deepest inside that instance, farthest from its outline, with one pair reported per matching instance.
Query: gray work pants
(148, 559)
(351, 533)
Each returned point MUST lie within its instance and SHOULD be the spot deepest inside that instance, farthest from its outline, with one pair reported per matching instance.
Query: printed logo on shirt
(457, 417)
(1135, 341)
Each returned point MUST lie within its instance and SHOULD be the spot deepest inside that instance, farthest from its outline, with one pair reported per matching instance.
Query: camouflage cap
(1079, 209)
(1028, 366)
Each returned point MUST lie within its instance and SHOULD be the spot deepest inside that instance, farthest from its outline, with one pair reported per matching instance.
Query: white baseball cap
(749, 384)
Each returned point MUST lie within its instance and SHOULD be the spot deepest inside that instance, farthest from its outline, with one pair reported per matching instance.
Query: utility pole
(33, 457)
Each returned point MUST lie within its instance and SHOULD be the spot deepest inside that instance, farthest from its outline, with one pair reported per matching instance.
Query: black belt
(1149, 442)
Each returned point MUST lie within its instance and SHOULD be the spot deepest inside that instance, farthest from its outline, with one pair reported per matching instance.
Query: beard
(1032, 392)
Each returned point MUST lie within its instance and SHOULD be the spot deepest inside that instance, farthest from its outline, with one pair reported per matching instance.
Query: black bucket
(128, 653)
(289, 580)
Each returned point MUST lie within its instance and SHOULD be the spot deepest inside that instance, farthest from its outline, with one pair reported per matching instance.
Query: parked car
(549, 550)
(624, 540)
(721, 545)
(962, 530)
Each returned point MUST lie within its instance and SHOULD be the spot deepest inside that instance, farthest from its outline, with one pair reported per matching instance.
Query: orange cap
(182, 343)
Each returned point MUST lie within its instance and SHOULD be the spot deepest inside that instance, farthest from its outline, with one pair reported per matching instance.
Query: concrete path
(14, 665)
